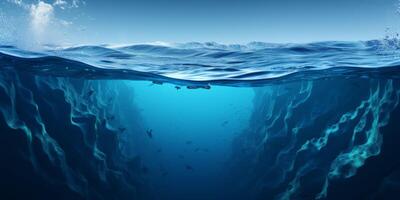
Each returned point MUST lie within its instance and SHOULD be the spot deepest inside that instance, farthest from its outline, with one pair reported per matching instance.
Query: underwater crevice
(304, 144)
(72, 143)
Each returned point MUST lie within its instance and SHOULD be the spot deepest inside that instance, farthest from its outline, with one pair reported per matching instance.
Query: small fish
(207, 87)
(111, 117)
(224, 123)
(181, 156)
(159, 150)
(288, 89)
(197, 149)
(188, 167)
(90, 92)
(135, 162)
(355, 84)
(205, 150)
(157, 82)
(145, 170)
(189, 142)
(164, 173)
(150, 133)
(122, 129)
(177, 87)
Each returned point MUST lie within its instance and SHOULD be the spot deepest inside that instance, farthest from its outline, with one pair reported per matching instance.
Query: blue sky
(234, 21)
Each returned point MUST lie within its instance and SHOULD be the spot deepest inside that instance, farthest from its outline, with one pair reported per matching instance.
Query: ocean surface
(201, 121)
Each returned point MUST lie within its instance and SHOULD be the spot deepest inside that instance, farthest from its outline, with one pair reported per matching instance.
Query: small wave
(211, 63)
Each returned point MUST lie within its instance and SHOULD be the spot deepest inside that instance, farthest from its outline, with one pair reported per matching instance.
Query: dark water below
(201, 121)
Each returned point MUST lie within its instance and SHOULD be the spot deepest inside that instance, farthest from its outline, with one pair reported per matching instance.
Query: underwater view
(300, 114)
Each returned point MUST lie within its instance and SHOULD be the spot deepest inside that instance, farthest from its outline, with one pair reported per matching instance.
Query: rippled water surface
(206, 63)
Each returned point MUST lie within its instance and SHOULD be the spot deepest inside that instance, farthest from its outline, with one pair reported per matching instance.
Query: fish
(355, 84)
(145, 170)
(207, 87)
(188, 167)
(164, 173)
(122, 129)
(181, 156)
(111, 117)
(103, 122)
(157, 82)
(189, 142)
(135, 162)
(90, 92)
(150, 133)
(177, 87)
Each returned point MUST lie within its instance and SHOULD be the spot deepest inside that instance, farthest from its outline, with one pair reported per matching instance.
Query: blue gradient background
(234, 21)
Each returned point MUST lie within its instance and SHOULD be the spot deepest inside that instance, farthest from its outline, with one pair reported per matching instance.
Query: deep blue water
(201, 121)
